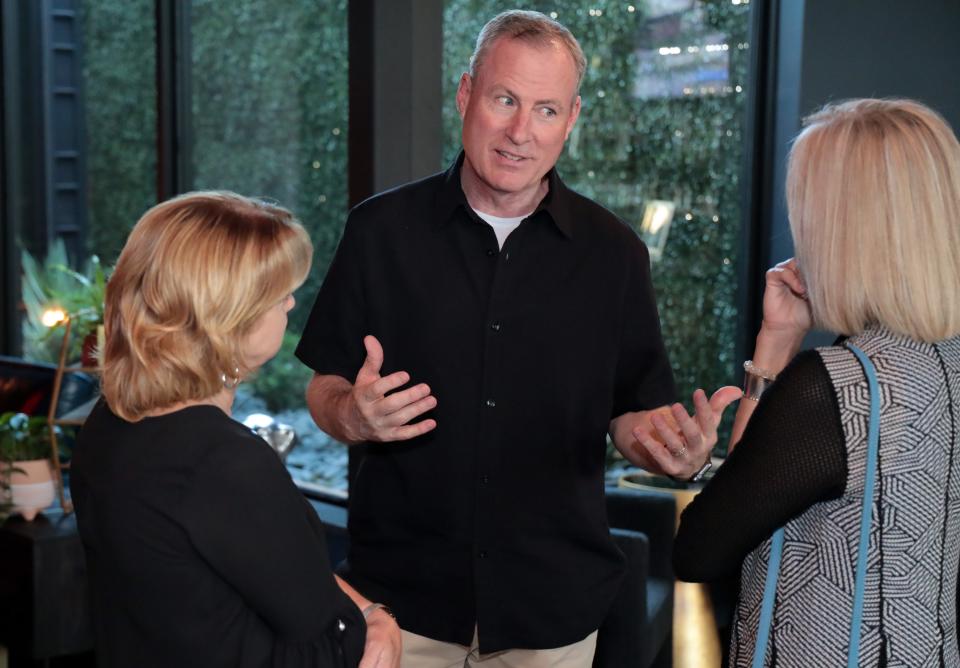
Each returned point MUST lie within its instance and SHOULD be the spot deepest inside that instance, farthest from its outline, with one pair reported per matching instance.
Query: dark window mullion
(174, 141)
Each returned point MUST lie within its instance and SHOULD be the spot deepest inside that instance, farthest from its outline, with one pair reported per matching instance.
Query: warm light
(661, 216)
(53, 317)
(655, 226)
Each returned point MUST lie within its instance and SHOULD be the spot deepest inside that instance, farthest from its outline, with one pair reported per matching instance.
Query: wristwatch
(699, 475)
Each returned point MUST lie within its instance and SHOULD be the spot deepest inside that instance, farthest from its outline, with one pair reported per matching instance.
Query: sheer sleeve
(791, 456)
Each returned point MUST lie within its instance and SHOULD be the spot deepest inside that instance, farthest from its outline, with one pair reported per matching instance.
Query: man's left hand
(669, 440)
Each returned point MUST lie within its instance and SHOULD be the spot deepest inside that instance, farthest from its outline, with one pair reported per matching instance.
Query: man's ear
(463, 93)
(574, 115)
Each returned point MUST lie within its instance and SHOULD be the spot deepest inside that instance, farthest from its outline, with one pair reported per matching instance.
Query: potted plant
(53, 284)
(26, 477)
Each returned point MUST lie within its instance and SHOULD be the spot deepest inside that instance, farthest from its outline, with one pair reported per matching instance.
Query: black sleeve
(791, 456)
(253, 527)
(644, 379)
(332, 340)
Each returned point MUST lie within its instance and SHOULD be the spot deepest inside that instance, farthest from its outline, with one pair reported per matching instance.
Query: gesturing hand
(376, 415)
(679, 443)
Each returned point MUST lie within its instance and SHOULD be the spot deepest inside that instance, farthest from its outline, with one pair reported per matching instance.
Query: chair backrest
(638, 630)
(26, 387)
(651, 512)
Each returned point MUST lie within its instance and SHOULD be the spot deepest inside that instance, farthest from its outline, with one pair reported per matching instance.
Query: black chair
(27, 387)
(638, 630)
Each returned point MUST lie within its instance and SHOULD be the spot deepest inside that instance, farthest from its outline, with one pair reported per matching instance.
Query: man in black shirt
(524, 315)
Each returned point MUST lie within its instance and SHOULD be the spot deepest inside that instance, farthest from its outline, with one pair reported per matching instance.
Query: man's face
(517, 113)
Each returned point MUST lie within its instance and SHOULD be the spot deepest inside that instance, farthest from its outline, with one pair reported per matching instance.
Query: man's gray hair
(533, 27)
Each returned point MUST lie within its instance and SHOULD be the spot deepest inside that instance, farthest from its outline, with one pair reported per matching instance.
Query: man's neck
(500, 204)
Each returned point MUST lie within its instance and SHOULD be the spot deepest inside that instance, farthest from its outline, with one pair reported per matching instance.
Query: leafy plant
(52, 283)
(22, 438)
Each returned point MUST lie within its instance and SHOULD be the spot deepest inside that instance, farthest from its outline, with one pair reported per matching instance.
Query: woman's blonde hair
(873, 193)
(195, 275)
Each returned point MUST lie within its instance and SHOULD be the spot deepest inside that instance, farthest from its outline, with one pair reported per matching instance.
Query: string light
(53, 317)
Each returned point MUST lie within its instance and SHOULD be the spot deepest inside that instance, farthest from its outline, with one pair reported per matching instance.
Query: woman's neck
(222, 400)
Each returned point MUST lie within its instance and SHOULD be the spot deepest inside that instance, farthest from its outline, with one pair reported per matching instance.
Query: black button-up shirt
(497, 516)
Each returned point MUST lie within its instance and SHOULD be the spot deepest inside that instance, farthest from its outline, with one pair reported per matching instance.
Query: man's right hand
(369, 413)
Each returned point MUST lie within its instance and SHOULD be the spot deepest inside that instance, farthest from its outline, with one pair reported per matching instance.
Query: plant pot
(91, 347)
(31, 488)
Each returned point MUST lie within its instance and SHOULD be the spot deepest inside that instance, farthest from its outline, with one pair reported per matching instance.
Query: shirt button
(506, 256)
(491, 403)
(484, 480)
(495, 325)
(482, 554)
(491, 252)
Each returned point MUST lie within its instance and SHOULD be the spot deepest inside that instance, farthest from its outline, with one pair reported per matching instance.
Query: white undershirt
(502, 227)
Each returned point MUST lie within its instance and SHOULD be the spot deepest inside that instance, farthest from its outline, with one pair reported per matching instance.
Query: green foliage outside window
(268, 107)
(120, 109)
(269, 112)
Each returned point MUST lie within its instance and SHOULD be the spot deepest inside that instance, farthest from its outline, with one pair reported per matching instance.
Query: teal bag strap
(873, 447)
(769, 596)
(776, 541)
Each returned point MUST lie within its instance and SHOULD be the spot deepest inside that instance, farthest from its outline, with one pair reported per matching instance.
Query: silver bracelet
(751, 368)
(756, 381)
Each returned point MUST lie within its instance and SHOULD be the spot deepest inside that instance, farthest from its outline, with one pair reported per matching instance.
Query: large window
(659, 136)
(268, 117)
(120, 117)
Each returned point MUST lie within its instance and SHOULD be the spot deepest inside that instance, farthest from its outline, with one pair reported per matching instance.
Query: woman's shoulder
(224, 441)
(201, 432)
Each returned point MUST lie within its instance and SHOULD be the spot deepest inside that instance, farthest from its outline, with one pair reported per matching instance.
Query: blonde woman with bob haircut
(873, 192)
(200, 549)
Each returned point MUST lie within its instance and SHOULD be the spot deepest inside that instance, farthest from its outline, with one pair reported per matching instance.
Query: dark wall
(882, 48)
(830, 50)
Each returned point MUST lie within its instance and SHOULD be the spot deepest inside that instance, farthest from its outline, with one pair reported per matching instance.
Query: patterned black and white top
(801, 465)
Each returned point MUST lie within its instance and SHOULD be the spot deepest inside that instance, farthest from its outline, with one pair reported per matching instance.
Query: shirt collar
(557, 204)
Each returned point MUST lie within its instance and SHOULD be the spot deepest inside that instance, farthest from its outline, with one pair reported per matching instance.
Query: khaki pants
(421, 652)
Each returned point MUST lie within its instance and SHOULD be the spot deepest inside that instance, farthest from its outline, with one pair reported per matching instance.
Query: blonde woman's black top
(200, 549)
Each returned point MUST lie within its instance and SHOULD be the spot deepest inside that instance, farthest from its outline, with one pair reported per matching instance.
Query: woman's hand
(786, 317)
(785, 305)
(383, 648)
